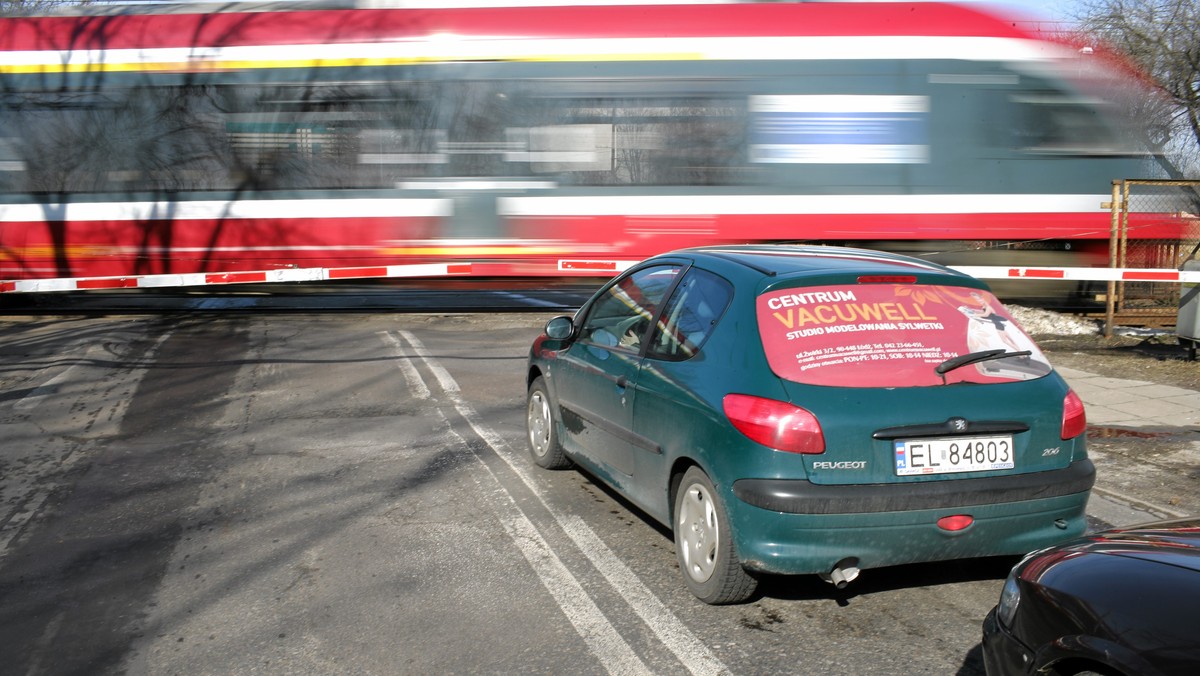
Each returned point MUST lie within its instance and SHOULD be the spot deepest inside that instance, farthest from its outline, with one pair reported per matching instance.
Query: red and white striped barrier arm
(252, 277)
(576, 267)
(1083, 274)
(614, 267)
(597, 267)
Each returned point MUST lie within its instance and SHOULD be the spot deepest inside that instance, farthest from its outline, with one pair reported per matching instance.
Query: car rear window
(891, 335)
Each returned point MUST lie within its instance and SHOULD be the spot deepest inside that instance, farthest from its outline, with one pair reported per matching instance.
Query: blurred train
(544, 140)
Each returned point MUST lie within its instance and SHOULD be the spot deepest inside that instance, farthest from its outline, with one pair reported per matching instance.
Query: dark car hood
(1175, 543)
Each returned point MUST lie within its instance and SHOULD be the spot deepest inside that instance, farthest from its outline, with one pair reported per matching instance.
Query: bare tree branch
(1162, 38)
(36, 7)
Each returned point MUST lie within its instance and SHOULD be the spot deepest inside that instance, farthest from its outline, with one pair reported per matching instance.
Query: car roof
(791, 261)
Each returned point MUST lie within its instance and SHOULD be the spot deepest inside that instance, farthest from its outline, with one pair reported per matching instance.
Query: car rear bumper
(776, 541)
(798, 496)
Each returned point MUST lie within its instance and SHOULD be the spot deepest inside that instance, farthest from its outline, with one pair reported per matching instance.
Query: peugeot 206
(798, 410)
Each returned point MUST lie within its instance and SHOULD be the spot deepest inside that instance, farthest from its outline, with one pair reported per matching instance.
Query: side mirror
(560, 328)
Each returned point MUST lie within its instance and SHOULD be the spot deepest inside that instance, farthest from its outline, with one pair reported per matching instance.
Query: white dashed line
(677, 638)
(415, 384)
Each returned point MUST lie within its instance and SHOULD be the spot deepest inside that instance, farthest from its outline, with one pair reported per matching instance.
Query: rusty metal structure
(1142, 205)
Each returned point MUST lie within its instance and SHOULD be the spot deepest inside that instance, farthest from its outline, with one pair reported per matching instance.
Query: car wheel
(704, 543)
(543, 433)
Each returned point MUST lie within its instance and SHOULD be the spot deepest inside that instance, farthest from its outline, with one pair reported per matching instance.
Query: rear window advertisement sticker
(891, 335)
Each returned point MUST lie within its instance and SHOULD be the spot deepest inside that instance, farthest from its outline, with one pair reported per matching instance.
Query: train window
(1055, 123)
(10, 158)
(12, 165)
(392, 146)
(139, 138)
(376, 135)
(368, 135)
(475, 117)
(625, 139)
(562, 147)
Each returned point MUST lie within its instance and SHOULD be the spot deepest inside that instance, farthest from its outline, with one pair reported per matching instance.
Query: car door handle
(622, 381)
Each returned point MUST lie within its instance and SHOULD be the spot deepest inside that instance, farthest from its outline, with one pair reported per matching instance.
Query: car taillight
(1074, 420)
(776, 424)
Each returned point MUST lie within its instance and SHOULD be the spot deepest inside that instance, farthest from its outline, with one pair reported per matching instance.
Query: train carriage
(542, 141)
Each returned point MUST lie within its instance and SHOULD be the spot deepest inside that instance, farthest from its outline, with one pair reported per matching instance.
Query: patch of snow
(1045, 322)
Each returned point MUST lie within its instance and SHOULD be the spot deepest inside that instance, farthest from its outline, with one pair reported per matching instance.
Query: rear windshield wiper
(974, 358)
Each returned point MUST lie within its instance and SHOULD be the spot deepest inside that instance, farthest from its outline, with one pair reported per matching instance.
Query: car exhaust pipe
(843, 573)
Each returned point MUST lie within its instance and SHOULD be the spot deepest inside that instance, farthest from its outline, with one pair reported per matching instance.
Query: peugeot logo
(958, 424)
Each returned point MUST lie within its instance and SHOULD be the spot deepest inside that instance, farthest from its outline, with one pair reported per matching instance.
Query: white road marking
(32, 502)
(415, 384)
(682, 642)
(666, 626)
(613, 651)
(601, 637)
(445, 381)
(38, 394)
(16, 521)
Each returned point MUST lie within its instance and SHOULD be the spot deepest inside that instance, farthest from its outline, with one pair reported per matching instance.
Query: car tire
(704, 543)
(542, 430)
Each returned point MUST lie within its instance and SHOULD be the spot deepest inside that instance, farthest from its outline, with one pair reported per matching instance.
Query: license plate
(953, 454)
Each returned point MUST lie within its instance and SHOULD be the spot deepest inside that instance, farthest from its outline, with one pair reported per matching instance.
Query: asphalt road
(285, 493)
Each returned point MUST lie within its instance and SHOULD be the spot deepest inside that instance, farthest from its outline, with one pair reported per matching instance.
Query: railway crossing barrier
(592, 268)
(250, 277)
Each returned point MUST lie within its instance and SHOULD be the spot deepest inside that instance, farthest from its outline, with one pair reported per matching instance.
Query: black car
(1122, 601)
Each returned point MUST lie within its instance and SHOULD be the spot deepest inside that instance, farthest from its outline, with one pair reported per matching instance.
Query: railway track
(368, 298)
(425, 296)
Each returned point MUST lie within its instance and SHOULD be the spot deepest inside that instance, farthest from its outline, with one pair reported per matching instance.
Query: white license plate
(953, 454)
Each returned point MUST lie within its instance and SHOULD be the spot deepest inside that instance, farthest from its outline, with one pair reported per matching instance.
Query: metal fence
(1155, 225)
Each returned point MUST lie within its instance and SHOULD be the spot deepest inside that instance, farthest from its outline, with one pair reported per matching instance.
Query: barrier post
(1110, 297)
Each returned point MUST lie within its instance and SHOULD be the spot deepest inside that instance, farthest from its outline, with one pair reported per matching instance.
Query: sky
(1054, 10)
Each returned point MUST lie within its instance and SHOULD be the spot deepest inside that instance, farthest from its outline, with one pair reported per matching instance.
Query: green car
(799, 410)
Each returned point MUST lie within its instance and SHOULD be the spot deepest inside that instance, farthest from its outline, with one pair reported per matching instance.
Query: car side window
(622, 315)
(690, 315)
